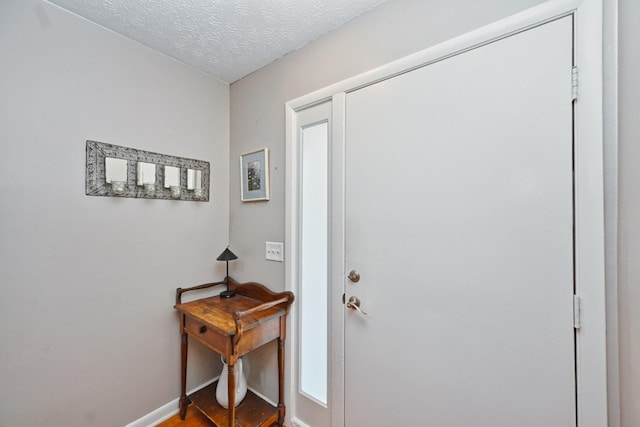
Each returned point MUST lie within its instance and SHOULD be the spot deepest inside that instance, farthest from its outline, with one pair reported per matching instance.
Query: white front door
(459, 220)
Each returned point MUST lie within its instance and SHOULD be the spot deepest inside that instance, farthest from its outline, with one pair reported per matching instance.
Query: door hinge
(576, 312)
(574, 83)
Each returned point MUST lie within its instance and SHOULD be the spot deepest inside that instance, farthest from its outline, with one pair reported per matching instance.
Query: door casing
(591, 365)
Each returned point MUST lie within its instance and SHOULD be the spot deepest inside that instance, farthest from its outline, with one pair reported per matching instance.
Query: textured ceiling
(227, 39)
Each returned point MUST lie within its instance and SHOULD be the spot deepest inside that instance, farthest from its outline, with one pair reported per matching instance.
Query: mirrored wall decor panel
(117, 171)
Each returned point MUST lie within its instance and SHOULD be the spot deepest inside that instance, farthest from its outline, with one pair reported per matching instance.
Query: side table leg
(184, 400)
(281, 407)
(231, 389)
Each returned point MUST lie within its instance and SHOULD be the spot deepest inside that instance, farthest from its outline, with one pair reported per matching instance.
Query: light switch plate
(274, 251)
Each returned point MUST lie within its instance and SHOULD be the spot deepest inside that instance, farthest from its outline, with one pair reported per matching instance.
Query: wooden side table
(233, 327)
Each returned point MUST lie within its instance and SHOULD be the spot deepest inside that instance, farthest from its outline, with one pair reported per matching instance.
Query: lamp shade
(227, 255)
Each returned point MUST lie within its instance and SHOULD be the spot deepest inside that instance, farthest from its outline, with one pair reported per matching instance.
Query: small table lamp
(227, 256)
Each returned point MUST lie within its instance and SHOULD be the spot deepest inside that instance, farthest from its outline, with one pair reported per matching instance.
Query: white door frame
(591, 369)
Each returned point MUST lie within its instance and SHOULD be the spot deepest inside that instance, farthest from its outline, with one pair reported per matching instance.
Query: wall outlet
(274, 251)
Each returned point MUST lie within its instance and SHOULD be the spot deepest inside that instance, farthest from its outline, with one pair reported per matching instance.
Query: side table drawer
(207, 335)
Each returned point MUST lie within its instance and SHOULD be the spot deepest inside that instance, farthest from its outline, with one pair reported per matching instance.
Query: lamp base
(227, 294)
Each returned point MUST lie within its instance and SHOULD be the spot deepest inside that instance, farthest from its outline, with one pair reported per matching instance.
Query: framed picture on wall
(254, 176)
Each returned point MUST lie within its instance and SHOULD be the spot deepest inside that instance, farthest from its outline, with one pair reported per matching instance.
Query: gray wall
(88, 333)
(629, 213)
(391, 31)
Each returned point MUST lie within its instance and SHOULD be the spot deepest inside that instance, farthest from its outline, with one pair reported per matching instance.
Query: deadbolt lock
(354, 276)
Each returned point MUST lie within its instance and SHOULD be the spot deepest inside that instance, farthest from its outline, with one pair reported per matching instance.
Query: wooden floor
(194, 418)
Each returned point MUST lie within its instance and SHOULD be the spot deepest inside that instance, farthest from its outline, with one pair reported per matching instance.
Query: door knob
(354, 304)
(354, 276)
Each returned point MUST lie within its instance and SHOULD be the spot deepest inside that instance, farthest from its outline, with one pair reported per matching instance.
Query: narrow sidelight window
(314, 261)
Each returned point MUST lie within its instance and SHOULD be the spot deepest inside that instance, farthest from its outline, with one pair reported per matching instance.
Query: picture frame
(254, 176)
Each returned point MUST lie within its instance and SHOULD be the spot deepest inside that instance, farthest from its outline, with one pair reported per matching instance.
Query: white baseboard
(261, 396)
(168, 410)
(297, 423)
(164, 412)
(156, 417)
